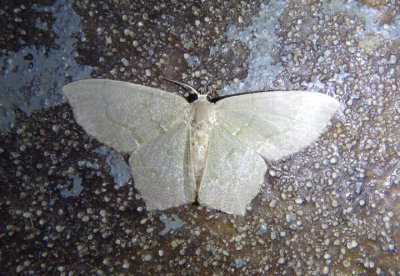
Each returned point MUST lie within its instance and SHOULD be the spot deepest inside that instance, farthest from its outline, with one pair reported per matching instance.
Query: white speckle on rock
(327, 53)
(125, 264)
(272, 172)
(299, 200)
(352, 244)
(60, 228)
(19, 268)
(290, 217)
(392, 59)
(125, 62)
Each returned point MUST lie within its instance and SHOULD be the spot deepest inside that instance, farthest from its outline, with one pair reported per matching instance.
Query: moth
(213, 153)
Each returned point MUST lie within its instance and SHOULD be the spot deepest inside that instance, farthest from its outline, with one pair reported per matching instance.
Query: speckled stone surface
(67, 206)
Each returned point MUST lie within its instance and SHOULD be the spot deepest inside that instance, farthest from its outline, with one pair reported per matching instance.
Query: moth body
(202, 120)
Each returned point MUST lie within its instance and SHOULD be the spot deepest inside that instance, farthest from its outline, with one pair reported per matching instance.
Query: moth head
(194, 95)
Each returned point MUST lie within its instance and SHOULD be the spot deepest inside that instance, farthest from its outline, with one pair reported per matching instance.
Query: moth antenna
(184, 85)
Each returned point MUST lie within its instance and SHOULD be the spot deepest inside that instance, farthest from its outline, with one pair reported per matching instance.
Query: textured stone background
(68, 204)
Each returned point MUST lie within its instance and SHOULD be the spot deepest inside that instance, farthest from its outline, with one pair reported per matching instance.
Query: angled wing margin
(276, 124)
(124, 115)
(162, 172)
(232, 175)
